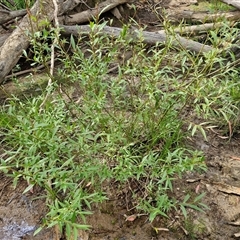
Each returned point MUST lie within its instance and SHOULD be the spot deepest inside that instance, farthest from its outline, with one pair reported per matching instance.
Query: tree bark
(3, 38)
(67, 6)
(13, 47)
(6, 16)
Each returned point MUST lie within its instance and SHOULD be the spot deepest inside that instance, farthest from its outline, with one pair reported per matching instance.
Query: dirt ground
(21, 214)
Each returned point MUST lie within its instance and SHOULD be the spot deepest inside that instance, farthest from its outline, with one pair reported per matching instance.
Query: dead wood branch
(203, 17)
(197, 28)
(31, 70)
(6, 16)
(234, 3)
(13, 47)
(85, 16)
(148, 37)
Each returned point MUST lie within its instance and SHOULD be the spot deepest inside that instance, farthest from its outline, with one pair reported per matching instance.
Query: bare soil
(21, 214)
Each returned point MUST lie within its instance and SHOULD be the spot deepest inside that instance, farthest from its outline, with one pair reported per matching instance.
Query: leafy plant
(127, 127)
(194, 204)
(213, 6)
(18, 4)
(216, 5)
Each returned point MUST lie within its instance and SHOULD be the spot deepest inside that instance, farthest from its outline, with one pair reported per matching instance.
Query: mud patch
(21, 214)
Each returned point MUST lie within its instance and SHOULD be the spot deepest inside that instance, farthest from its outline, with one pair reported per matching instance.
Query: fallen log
(13, 47)
(197, 28)
(148, 37)
(202, 17)
(90, 14)
(6, 16)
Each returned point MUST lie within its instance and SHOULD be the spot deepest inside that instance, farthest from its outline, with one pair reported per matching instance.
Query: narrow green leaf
(183, 211)
(199, 197)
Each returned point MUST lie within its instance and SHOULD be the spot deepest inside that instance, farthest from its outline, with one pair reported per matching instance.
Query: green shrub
(125, 128)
